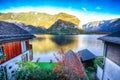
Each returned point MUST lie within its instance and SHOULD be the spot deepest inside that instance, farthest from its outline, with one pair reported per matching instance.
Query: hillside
(38, 19)
(32, 29)
(112, 25)
(64, 27)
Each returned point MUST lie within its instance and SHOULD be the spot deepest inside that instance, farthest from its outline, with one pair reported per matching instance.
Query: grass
(42, 65)
(46, 65)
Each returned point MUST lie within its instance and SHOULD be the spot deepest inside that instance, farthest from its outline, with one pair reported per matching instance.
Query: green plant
(33, 71)
(88, 74)
(98, 61)
(91, 69)
(2, 57)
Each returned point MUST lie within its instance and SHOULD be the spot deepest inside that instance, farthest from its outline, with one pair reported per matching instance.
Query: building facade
(111, 69)
(14, 47)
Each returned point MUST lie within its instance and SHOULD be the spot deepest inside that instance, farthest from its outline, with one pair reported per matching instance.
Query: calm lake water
(45, 46)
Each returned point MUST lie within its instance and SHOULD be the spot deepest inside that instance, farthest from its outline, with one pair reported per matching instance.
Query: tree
(70, 68)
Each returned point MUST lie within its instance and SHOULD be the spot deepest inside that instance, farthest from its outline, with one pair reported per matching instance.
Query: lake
(45, 46)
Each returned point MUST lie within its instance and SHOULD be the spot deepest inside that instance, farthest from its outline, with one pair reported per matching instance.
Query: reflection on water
(45, 45)
(62, 40)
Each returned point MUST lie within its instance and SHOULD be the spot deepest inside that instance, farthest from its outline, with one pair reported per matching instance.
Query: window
(1, 51)
(24, 58)
(2, 55)
(23, 43)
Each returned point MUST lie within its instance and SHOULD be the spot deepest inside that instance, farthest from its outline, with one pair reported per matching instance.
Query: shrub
(35, 74)
(32, 71)
(70, 69)
(98, 61)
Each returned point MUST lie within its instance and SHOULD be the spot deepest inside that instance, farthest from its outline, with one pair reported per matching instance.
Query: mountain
(31, 29)
(64, 27)
(112, 25)
(38, 19)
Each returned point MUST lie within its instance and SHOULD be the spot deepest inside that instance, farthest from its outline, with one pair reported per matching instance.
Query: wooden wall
(13, 49)
(28, 45)
(113, 52)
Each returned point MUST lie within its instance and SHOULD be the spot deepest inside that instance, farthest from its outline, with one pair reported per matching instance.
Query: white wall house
(111, 69)
(14, 47)
(11, 66)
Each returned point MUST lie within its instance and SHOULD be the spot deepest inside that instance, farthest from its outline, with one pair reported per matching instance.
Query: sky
(85, 10)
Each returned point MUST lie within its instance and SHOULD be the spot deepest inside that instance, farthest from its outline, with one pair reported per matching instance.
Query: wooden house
(14, 47)
(111, 68)
(87, 57)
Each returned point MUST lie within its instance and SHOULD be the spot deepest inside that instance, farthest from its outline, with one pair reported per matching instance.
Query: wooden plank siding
(113, 52)
(13, 49)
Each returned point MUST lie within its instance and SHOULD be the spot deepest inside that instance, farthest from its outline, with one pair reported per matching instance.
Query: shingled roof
(12, 32)
(113, 38)
(86, 55)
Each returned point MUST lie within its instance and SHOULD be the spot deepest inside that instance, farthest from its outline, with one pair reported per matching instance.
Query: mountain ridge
(38, 19)
(112, 25)
(64, 27)
(31, 29)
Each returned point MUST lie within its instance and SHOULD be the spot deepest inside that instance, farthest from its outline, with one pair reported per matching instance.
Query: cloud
(83, 16)
(84, 9)
(98, 8)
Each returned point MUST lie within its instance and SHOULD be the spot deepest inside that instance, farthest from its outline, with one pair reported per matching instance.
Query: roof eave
(110, 41)
(16, 39)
